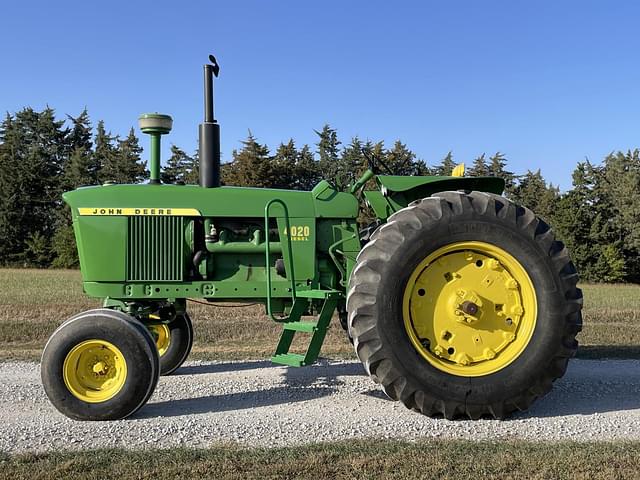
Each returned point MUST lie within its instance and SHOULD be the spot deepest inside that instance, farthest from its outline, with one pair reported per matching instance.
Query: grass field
(34, 302)
(346, 460)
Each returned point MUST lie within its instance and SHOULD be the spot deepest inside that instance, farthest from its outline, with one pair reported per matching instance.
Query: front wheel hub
(469, 308)
(94, 371)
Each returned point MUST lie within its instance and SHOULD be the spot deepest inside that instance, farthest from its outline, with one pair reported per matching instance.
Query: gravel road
(257, 403)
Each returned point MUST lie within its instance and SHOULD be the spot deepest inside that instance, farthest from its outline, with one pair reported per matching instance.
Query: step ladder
(302, 299)
(317, 329)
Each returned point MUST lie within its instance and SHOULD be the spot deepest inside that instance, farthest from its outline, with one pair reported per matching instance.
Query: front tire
(173, 341)
(100, 365)
(464, 305)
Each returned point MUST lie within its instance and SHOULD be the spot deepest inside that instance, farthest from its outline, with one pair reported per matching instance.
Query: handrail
(268, 255)
(334, 248)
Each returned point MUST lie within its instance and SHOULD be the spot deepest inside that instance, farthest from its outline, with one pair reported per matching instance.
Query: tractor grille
(155, 249)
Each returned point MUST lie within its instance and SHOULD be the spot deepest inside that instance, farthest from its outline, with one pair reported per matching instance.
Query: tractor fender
(397, 192)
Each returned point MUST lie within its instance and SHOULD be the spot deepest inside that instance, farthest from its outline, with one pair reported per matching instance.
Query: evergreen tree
(37, 252)
(63, 244)
(122, 163)
(328, 152)
(82, 167)
(192, 177)
(294, 169)
(479, 167)
(130, 168)
(402, 161)
(283, 166)
(178, 167)
(582, 220)
(104, 153)
(352, 162)
(533, 192)
(32, 155)
(621, 176)
(497, 168)
(11, 148)
(250, 167)
(621, 191)
(446, 166)
(307, 171)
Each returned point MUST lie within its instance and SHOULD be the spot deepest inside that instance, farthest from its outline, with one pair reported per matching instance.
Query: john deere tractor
(459, 303)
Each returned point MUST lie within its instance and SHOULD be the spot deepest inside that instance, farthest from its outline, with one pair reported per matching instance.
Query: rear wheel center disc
(469, 308)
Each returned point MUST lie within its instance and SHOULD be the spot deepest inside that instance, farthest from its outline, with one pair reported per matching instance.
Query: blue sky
(548, 83)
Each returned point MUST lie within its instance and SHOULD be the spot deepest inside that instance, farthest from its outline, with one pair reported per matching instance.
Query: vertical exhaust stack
(209, 132)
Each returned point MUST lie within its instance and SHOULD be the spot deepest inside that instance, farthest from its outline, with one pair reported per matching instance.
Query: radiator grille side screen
(155, 249)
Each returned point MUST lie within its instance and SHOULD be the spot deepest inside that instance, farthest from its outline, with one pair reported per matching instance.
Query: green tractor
(458, 302)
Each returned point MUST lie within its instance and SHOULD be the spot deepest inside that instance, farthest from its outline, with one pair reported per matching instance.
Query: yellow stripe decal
(108, 211)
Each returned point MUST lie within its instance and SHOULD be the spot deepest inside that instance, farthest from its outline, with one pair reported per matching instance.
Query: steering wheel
(372, 162)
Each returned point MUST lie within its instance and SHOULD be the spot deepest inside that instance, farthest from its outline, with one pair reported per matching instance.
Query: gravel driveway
(257, 403)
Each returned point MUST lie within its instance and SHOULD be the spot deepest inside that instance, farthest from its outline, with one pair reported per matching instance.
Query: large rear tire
(464, 305)
(100, 365)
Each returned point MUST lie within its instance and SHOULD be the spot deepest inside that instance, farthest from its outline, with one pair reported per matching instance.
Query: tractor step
(290, 359)
(319, 294)
(317, 330)
(308, 327)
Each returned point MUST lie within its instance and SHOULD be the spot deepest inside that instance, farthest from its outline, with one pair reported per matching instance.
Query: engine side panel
(139, 242)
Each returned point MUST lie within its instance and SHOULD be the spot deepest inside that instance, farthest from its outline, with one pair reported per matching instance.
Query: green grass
(611, 318)
(34, 302)
(345, 460)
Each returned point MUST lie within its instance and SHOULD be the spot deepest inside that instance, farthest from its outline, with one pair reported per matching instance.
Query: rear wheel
(100, 365)
(464, 305)
(173, 341)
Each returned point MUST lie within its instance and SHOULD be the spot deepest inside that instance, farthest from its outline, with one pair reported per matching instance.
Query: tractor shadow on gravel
(297, 385)
(590, 387)
(200, 369)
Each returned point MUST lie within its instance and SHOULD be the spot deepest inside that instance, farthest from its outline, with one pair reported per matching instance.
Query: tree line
(42, 156)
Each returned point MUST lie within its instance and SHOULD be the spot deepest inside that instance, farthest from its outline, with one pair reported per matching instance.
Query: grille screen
(155, 249)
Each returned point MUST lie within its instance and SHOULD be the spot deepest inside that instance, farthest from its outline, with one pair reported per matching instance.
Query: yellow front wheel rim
(162, 336)
(94, 371)
(469, 308)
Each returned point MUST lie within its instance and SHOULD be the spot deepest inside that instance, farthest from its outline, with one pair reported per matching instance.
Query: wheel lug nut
(508, 336)
(489, 353)
(464, 359)
(511, 284)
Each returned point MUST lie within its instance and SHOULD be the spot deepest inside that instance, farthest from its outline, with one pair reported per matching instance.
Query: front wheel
(100, 365)
(464, 305)
(173, 341)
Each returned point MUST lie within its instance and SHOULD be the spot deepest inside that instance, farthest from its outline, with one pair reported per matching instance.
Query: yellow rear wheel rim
(162, 336)
(94, 371)
(469, 309)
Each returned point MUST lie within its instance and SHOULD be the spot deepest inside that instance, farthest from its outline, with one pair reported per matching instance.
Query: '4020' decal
(299, 232)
